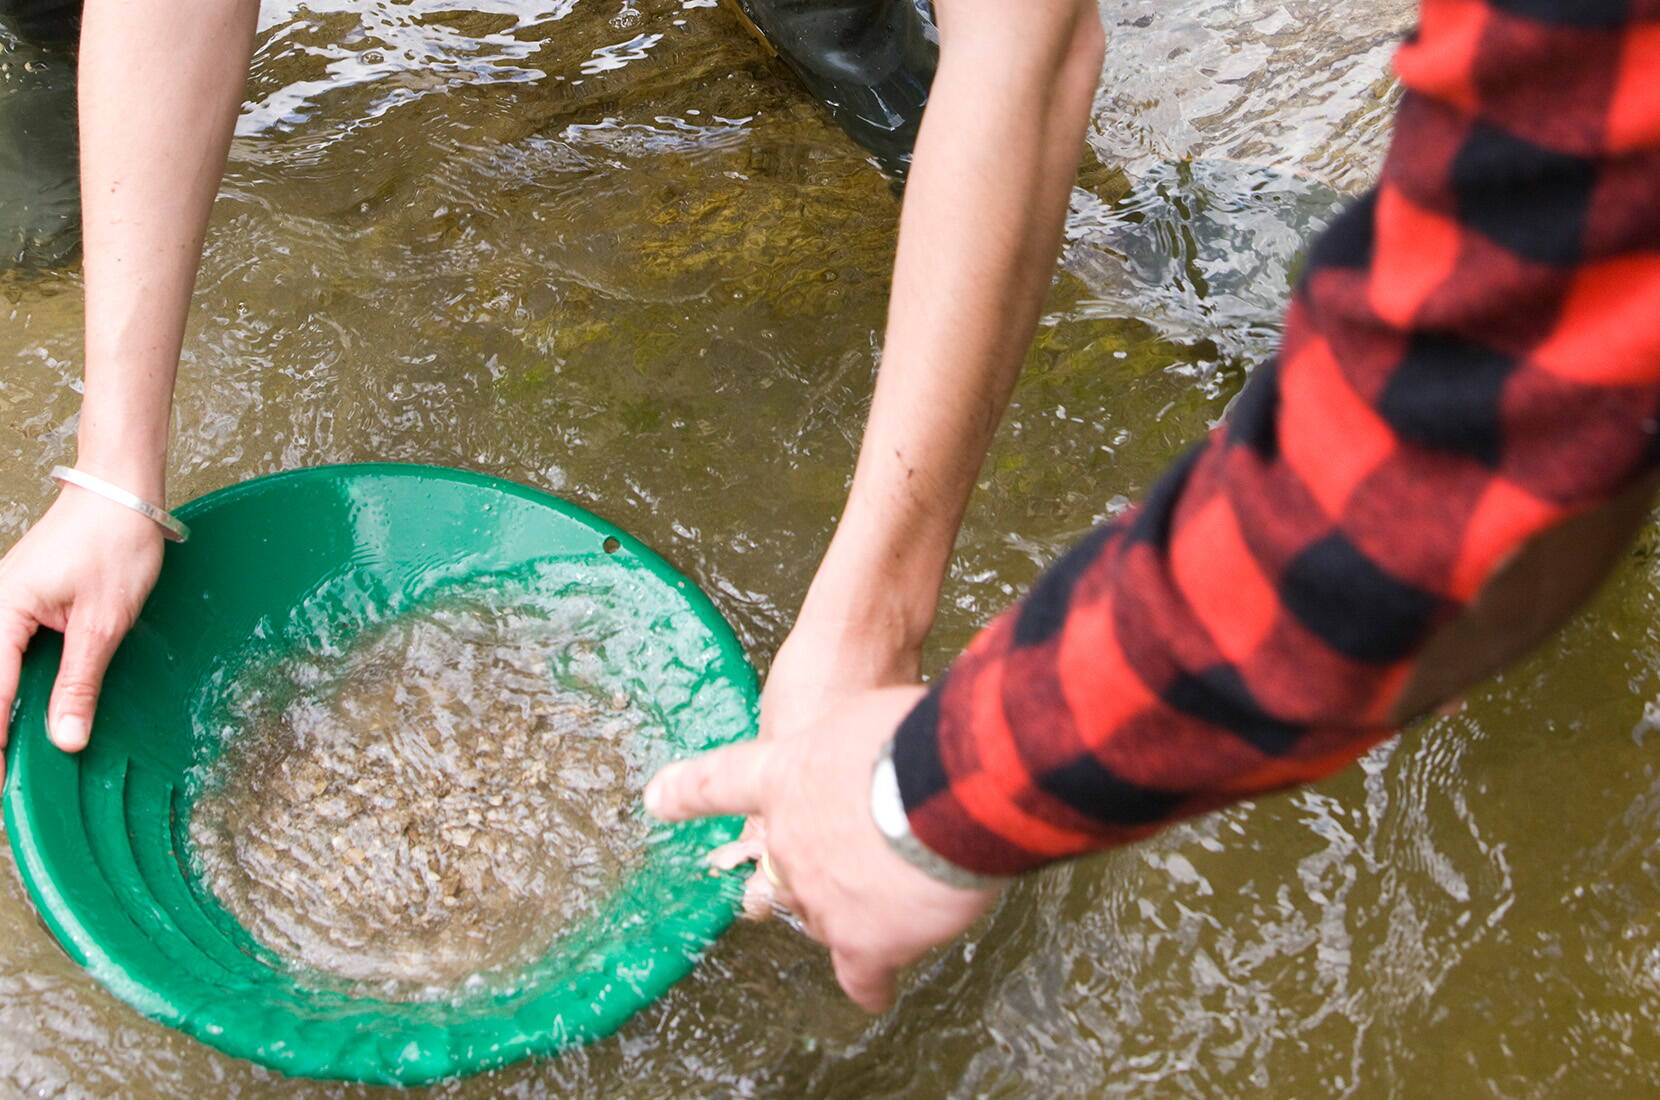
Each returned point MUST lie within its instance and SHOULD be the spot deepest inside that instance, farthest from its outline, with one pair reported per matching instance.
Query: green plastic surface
(99, 836)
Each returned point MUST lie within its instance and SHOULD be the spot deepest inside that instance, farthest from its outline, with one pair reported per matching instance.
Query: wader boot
(870, 62)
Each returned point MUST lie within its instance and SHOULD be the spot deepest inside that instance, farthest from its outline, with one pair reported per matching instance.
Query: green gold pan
(99, 837)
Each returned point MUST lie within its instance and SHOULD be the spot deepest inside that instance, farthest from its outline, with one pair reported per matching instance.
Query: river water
(605, 247)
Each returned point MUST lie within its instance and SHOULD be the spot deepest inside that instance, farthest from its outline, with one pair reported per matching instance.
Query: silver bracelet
(887, 809)
(171, 528)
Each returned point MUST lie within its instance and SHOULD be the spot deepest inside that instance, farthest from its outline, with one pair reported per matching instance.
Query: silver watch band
(887, 809)
(171, 528)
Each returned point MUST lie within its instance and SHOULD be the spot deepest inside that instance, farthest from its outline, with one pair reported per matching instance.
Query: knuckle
(75, 691)
(17, 612)
(101, 626)
(832, 937)
(849, 970)
(16, 627)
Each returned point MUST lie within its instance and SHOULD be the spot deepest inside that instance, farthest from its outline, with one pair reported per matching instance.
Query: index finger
(725, 781)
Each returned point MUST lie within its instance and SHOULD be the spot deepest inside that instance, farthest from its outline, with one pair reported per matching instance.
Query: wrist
(120, 531)
(866, 613)
(165, 521)
(878, 587)
(139, 475)
(133, 457)
(125, 421)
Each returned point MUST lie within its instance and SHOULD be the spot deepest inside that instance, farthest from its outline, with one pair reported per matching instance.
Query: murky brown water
(427, 806)
(605, 249)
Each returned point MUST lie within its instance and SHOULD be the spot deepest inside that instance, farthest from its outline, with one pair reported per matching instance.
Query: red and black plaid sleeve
(1472, 356)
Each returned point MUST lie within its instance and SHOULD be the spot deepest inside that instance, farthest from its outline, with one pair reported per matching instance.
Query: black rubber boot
(870, 62)
(43, 22)
(40, 208)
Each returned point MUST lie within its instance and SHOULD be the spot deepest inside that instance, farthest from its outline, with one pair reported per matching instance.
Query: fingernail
(70, 733)
(654, 796)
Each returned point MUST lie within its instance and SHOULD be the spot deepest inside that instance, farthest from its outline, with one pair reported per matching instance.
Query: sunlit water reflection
(606, 248)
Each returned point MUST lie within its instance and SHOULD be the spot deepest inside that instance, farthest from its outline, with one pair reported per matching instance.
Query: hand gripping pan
(99, 837)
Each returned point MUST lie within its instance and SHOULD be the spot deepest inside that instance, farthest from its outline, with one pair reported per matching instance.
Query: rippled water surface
(426, 808)
(605, 247)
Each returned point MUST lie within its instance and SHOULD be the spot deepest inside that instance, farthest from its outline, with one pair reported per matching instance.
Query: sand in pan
(427, 806)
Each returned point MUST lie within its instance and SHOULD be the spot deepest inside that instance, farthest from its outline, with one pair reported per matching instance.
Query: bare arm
(1452, 446)
(983, 215)
(160, 85)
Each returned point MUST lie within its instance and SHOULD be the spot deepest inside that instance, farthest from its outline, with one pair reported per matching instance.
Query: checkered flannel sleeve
(1472, 357)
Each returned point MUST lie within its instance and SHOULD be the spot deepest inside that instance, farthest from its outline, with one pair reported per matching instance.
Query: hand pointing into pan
(875, 912)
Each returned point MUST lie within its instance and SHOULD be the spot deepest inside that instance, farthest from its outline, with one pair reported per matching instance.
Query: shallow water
(605, 248)
(425, 804)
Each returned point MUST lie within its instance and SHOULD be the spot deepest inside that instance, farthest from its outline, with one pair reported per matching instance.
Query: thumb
(86, 655)
(725, 781)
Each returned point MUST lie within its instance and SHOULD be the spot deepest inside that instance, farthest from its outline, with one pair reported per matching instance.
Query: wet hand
(822, 661)
(84, 570)
(873, 910)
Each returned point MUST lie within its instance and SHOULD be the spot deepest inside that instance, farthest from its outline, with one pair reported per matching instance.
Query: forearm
(160, 86)
(1450, 451)
(983, 215)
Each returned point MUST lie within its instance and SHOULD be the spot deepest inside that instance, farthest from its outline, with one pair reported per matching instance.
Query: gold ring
(768, 870)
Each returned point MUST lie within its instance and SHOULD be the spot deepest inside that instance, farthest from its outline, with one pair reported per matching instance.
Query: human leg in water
(40, 209)
(870, 62)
